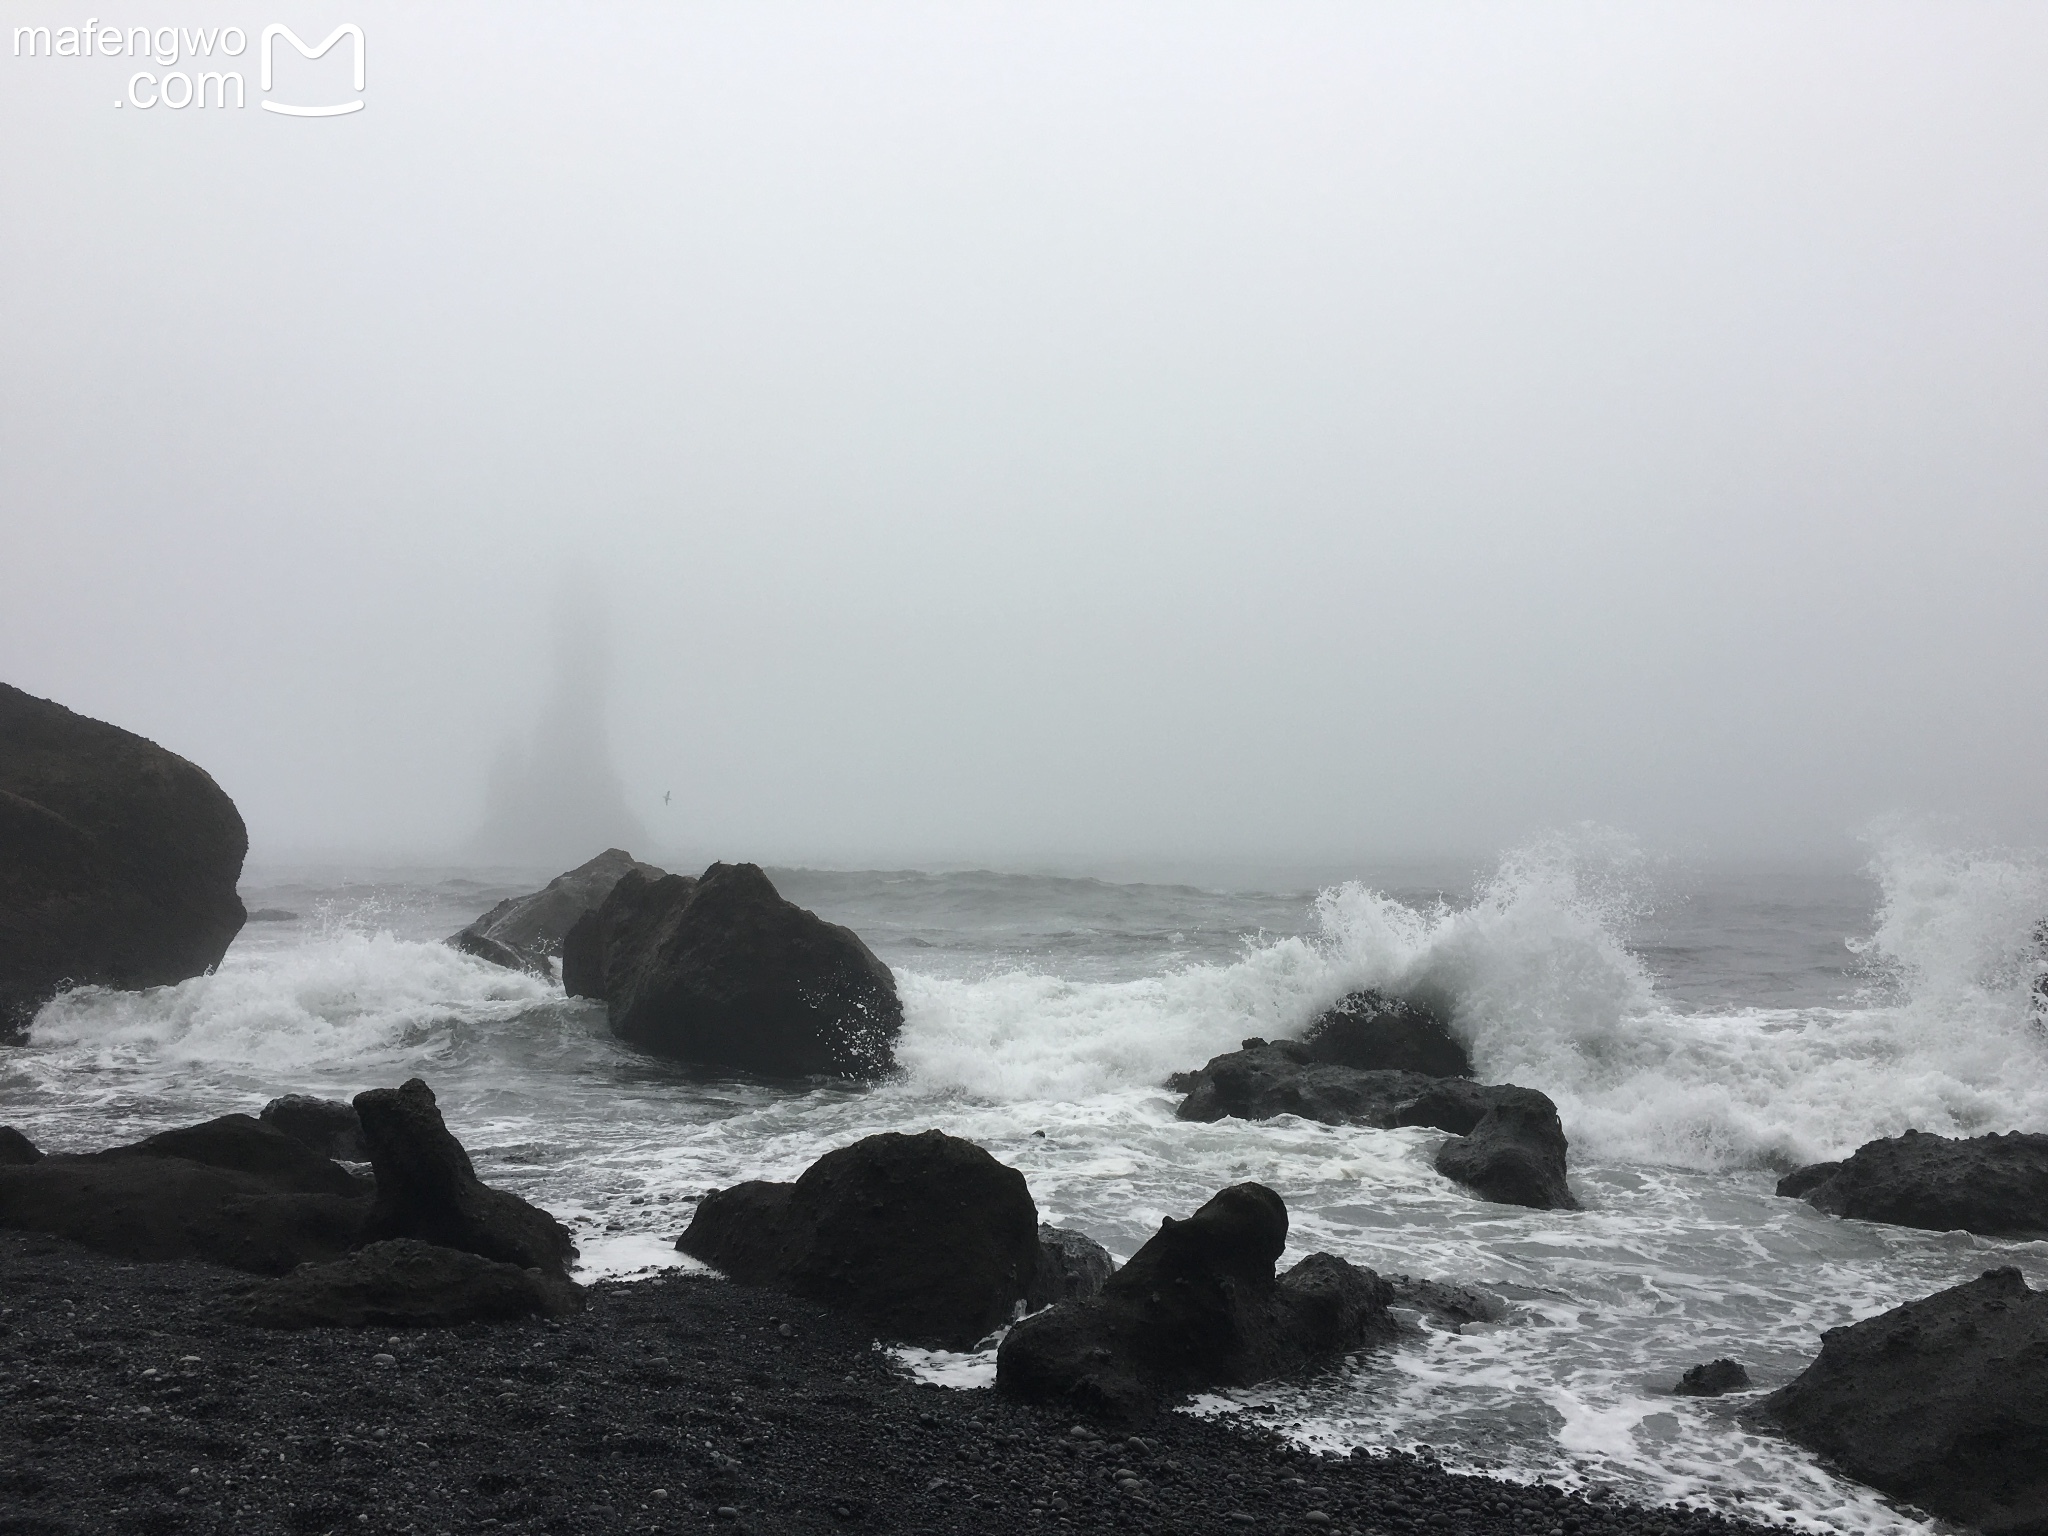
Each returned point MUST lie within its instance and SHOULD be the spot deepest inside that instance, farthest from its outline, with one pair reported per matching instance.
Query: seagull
(665, 794)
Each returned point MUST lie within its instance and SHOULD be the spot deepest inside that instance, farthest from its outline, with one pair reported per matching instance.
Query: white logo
(346, 29)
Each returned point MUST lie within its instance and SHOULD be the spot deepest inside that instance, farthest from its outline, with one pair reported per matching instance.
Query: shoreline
(129, 1402)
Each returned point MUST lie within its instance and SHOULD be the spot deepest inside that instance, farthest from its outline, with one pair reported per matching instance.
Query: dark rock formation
(403, 1283)
(1450, 1303)
(272, 915)
(1072, 1266)
(1713, 1379)
(1515, 1154)
(927, 1237)
(723, 972)
(523, 932)
(1993, 1185)
(16, 1150)
(1198, 1307)
(426, 1188)
(329, 1126)
(1377, 1033)
(121, 860)
(246, 1145)
(1942, 1401)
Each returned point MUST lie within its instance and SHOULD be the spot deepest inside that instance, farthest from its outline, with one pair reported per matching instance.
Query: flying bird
(665, 794)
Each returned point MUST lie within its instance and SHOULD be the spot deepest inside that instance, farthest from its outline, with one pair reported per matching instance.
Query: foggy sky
(1038, 433)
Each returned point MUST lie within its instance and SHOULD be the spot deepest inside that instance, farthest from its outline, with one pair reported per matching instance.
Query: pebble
(1317, 1517)
(381, 1360)
(727, 1512)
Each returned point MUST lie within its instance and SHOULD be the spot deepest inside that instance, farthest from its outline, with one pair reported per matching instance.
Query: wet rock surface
(1199, 1306)
(1371, 1031)
(16, 1150)
(132, 1401)
(121, 859)
(329, 1126)
(1993, 1185)
(1072, 1266)
(1942, 1401)
(1515, 1154)
(403, 1283)
(1713, 1379)
(926, 1238)
(522, 933)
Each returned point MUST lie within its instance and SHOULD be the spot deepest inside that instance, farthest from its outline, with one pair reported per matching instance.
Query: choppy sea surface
(1701, 1028)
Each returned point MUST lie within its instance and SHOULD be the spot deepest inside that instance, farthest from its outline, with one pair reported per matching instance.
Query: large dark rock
(523, 932)
(927, 1238)
(1450, 1303)
(407, 1284)
(1515, 1154)
(723, 972)
(1198, 1307)
(120, 865)
(329, 1126)
(427, 1189)
(1942, 1401)
(1993, 1185)
(16, 1150)
(1072, 1266)
(231, 1191)
(1716, 1378)
(1377, 1033)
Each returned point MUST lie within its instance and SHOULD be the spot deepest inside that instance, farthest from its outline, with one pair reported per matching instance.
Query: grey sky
(1051, 433)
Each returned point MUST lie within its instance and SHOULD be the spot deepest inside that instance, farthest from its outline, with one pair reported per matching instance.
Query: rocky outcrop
(121, 860)
(407, 1284)
(1377, 1033)
(522, 933)
(328, 1126)
(16, 1150)
(1714, 1379)
(1514, 1155)
(1198, 1307)
(427, 1189)
(723, 972)
(1072, 1266)
(927, 1238)
(1993, 1185)
(1453, 1305)
(1942, 1402)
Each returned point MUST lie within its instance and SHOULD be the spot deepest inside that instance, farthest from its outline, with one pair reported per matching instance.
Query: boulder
(407, 1284)
(1942, 1402)
(1714, 1379)
(723, 972)
(16, 1150)
(1264, 1079)
(1450, 1303)
(1198, 1307)
(329, 1126)
(250, 1146)
(1374, 1032)
(1514, 1155)
(1996, 1186)
(427, 1189)
(523, 932)
(926, 1238)
(1072, 1266)
(121, 860)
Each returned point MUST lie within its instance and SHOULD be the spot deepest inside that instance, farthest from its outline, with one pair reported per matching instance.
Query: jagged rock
(247, 1145)
(1072, 1266)
(1942, 1401)
(16, 1150)
(521, 933)
(1198, 1307)
(1377, 1033)
(1447, 1301)
(121, 860)
(723, 972)
(329, 1126)
(1515, 1154)
(1713, 1379)
(407, 1284)
(427, 1189)
(927, 1237)
(1993, 1185)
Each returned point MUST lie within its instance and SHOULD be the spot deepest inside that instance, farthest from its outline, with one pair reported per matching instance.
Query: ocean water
(1701, 1029)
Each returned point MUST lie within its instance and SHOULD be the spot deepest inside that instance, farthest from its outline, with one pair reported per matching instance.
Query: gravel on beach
(131, 1402)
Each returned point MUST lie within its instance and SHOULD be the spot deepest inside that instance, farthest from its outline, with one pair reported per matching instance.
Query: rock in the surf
(1369, 1030)
(1072, 1266)
(232, 1191)
(121, 860)
(403, 1283)
(1996, 1186)
(1198, 1307)
(1453, 1305)
(1942, 1401)
(523, 933)
(723, 972)
(1716, 1378)
(16, 1150)
(927, 1238)
(1515, 1154)
(330, 1127)
(427, 1188)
